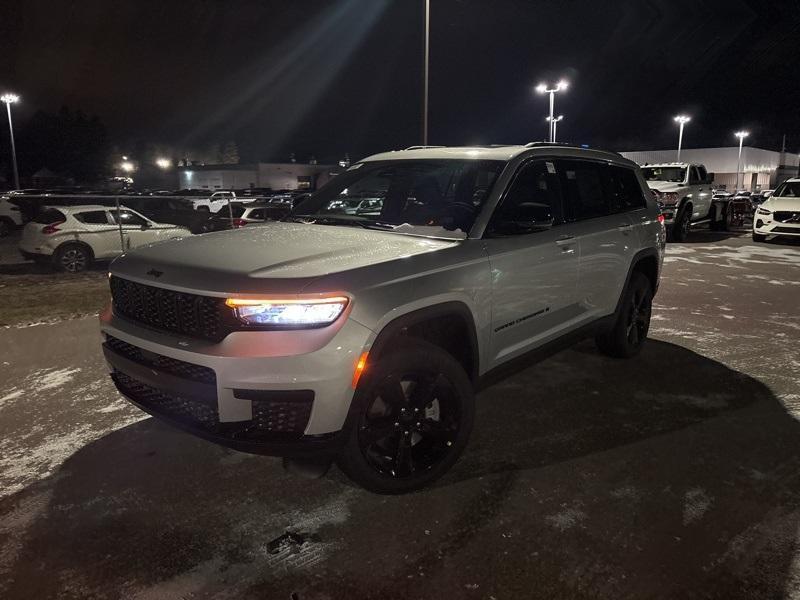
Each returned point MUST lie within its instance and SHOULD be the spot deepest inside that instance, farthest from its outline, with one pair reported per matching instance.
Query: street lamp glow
(555, 123)
(741, 135)
(543, 88)
(163, 163)
(10, 99)
(681, 120)
(126, 166)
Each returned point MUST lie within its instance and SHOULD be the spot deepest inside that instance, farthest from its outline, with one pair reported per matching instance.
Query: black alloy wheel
(414, 410)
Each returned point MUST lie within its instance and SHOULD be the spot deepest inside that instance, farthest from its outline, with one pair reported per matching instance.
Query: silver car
(360, 338)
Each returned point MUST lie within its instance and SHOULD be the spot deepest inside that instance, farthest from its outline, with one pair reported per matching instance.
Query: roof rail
(423, 147)
(564, 145)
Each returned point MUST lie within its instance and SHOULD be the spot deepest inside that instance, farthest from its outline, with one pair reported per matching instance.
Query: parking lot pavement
(672, 475)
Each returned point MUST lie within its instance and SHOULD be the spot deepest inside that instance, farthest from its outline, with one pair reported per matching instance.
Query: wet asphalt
(672, 475)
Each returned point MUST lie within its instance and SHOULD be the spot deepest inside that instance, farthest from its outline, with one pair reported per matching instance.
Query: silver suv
(359, 335)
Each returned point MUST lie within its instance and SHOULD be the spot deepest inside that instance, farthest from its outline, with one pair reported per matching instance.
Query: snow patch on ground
(566, 519)
(695, 504)
(48, 379)
(12, 395)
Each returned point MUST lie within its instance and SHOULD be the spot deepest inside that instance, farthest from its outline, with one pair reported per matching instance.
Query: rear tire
(415, 409)
(72, 258)
(725, 220)
(757, 237)
(627, 336)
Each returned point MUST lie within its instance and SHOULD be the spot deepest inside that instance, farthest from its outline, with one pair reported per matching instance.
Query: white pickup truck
(685, 194)
(218, 200)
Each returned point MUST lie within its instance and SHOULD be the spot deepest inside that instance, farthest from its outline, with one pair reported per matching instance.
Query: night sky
(329, 77)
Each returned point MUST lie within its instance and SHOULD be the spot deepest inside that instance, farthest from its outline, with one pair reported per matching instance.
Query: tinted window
(623, 188)
(694, 177)
(429, 197)
(533, 197)
(48, 216)
(127, 217)
(584, 194)
(257, 213)
(95, 217)
(701, 170)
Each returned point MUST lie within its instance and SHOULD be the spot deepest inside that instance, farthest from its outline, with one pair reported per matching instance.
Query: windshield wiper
(327, 220)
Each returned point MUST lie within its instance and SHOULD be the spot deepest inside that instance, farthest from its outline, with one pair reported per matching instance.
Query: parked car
(685, 193)
(218, 200)
(779, 215)
(72, 237)
(10, 216)
(360, 338)
(240, 215)
(177, 211)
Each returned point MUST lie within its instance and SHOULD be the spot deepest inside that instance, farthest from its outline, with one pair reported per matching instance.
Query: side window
(534, 197)
(584, 193)
(95, 217)
(694, 177)
(701, 170)
(623, 189)
(127, 217)
(256, 214)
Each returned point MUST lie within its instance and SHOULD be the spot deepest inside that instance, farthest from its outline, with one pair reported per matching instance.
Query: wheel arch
(448, 325)
(80, 243)
(645, 261)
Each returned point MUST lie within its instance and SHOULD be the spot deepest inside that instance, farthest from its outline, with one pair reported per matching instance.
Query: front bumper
(766, 225)
(281, 393)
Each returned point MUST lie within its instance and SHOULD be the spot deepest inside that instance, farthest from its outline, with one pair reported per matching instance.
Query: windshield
(435, 198)
(789, 189)
(673, 174)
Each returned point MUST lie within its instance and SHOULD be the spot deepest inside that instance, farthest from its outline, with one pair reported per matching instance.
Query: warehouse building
(276, 176)
(761, 169)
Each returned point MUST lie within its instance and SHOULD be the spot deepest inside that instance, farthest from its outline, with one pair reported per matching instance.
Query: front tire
(72, 258)
(415, 411)
(680, 229)
(6, 227)
(627, 336)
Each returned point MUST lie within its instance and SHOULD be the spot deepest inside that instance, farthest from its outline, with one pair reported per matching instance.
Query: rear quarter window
(48, 216)
(95, 217)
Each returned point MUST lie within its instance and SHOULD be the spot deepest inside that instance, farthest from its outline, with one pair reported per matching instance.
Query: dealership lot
(672, 475)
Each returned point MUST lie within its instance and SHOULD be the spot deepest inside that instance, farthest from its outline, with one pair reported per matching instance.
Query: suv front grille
(784, 216)
(169, 365)
(187, 314)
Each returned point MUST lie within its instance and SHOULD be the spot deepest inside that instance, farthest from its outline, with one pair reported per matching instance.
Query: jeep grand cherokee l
(359, 337)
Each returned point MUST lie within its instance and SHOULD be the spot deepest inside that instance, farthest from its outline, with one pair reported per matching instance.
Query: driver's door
(534, 271)
(136, 229)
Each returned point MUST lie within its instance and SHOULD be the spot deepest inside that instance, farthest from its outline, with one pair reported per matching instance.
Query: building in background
(763, 169)
(276, 176)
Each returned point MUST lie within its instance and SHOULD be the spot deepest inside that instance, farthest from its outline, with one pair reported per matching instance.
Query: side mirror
(146, 225)
(710, 178)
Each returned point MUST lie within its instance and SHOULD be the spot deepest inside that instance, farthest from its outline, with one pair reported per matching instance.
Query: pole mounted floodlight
(163, 163)
(555, 123)
(681, 120)
(10, 99)
(741, 135)
(544, 88)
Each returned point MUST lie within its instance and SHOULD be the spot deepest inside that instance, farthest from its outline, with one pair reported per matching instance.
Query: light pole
(741, 135)
(425, 69)
(10, 99)
(554, 123)
(542, 88)
(681, 120)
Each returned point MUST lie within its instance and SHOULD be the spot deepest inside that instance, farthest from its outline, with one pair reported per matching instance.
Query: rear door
(98, 231)
(701, 192)
(607, 235)
(534, 270)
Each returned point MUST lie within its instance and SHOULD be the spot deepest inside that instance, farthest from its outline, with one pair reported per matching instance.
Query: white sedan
(71, 237)
(779, 215)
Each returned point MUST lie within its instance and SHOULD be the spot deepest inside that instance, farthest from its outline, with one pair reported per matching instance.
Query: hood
(278, 257)
(774, 204)
(665, 186)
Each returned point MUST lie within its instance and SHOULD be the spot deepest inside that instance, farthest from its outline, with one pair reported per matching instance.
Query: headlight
(669, 199)
(288, 313)
(763, 211)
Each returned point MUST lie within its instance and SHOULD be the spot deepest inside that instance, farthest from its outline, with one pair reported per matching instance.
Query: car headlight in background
(289, 313)
(763, 211)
